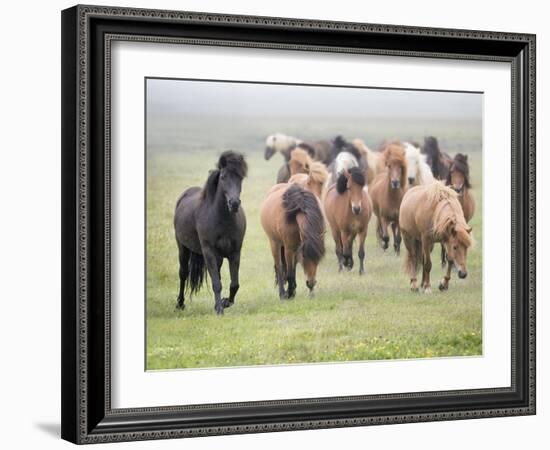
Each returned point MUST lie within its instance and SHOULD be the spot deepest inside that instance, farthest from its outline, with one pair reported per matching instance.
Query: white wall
(30, 222)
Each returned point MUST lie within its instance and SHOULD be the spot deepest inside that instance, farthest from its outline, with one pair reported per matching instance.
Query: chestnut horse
(458, 180)
(312, 181)
(348, 208)
(386, 192)
(432, 213)
(294, 223)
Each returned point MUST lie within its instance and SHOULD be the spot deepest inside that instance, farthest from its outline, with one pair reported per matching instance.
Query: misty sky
(253, 100)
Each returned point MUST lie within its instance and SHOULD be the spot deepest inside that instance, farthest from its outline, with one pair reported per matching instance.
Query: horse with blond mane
(294, 224)
(430, 214)
(348, 208)
(387, 191)
(314, 180)
(300, 162)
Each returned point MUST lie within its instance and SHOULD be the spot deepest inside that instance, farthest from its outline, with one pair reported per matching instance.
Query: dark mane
(339, 145)
(433, 153)
(460, 164)
(357, 177)
(231, 162)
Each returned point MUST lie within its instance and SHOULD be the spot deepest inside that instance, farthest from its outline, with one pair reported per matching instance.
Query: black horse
(210, 225)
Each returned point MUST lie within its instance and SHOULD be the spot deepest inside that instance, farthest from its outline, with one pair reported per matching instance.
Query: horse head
(352, 180)
(396, 165)
(270, 143)
(457, 241)
(232, 169)
(459, 173)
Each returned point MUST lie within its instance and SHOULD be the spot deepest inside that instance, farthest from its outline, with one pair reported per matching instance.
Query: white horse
(280, 143)
(418, 170)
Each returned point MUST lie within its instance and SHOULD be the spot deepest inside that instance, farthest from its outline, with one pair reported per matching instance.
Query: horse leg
(184, 255)
(290, 256)
(338, 245)
(384, 233)
(347, 250)
(361, 254)
(411, 244)
(280, 271)
(444, 283)
(310, 270)
(427, 266)
(234, 263)
(396, 237)
(213, 263)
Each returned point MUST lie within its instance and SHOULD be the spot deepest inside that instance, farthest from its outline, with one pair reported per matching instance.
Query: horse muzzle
(395, 184)
(233, 205)
(268, 153)
(411, 181)
(356, 209)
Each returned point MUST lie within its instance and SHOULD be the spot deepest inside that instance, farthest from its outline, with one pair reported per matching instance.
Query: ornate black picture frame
(87, 34)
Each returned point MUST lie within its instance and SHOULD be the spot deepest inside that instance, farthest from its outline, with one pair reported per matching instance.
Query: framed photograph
(280, 224)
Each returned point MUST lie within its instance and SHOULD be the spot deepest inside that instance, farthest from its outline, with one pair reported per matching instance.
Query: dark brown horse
(438, 161)
(348, 209)
(292, 220)
(458, 180)
(210, 225)
(386, 192)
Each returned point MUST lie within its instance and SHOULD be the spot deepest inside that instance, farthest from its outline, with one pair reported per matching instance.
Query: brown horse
(386, 191)
(312, 181)
(438, 161)
(348, 208)
(458, 179)
(432, 213)
(294, 223)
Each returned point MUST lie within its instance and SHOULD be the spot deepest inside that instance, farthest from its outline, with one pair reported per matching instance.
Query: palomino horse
(348, 208)
(313, 181)
(210, 225)
(438, 161)
(294, 223)
(418, 170)
(458, 180)
(429, 214)
(374, 160)
(387, 191)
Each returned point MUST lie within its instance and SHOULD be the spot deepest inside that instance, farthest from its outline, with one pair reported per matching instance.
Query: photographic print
(294, 224)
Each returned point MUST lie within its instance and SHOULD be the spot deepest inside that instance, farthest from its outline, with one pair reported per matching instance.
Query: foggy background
(193, 115)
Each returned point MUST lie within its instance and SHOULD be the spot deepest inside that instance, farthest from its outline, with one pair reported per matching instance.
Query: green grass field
(351, 318)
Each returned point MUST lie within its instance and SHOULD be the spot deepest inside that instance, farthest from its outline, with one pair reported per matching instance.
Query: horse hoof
(283, 296)
(180, 306)
(442, 287)
(361, 271)
(428, 290)
(227, 303)
(414, 289)
(311, 294)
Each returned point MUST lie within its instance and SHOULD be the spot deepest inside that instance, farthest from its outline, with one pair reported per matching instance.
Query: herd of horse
(417, 191)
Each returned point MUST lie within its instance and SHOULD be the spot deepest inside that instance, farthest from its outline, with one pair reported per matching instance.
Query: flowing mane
(448, 212)
(300, 158)
(231, 162)
(394, 153)
(318, 172)
(460, 164)
(356, 176)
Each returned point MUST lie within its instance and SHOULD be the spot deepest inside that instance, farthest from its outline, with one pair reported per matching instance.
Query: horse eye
(455, 247)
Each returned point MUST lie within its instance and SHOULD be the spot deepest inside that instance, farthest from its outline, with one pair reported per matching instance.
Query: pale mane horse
(280, 143)
(375, 161)
(418, 170)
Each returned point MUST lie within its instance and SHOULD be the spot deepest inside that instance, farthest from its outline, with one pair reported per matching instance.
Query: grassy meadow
(351, 318)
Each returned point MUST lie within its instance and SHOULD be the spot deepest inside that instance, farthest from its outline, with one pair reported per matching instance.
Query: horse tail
(197, 272)
(303, 208)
